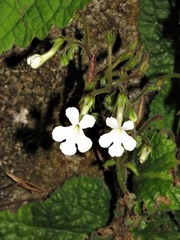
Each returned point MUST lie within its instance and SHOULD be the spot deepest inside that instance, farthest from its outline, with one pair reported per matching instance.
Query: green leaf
(160, 106)
(21, 20)
(151, 25)
(154, 185)
(153, 14)
(80, 206)
(158, 227)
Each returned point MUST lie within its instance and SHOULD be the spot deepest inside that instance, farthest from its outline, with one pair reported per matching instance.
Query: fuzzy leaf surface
(157, 31)
(160, 227)
(21, 20)
(154, 186)
(79, 207)
(153, 14)
(160, 106)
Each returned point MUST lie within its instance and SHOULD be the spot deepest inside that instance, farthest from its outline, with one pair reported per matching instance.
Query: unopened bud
(110, 38)
(123, 73)
(132, 115)
(87, 105)
(144, 152)
(121, 101)
(134, 44)
(134, 61)
(109, 101)
(37, 60)
(145, 64)
(64, 60)
(72, 50)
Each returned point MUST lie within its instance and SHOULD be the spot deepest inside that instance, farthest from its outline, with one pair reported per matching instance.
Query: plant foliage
(80, 206)
(154, 186)
(151, 24)
(33, 18)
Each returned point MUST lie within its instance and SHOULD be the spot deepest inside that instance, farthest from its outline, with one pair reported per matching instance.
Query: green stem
(116, 83)
(84, 46)
(172, 75)
(123, 57)
(110, 41)
(79, 43)
(85, 26)
(161, 79)
(146, 139)
(121, 174)
(110, 64)
(108, 89)
(149, 121)
(100, 91)
(148, 88)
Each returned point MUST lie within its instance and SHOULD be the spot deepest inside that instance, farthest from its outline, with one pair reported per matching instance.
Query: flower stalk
(147, 89)
(121, 173)
(158, 118)
(110, 40)
(85, 27)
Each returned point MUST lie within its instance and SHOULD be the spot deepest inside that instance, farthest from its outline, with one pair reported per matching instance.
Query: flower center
(75, 131)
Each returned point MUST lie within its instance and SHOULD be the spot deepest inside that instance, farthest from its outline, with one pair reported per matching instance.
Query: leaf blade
(22, 21)
(73, 211)
(154, 185)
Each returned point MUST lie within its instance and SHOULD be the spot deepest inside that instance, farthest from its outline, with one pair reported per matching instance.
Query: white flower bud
(121, 101)
(87, 105)
(144, 152)
(35, 61)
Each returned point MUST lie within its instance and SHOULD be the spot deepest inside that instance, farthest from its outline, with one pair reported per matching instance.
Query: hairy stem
(121, 174)
(149, 121)
(148, 88)
(85, 26)
(79, 43)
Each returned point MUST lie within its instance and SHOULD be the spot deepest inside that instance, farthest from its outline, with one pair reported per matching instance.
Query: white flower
(117, 137)
(73, 135)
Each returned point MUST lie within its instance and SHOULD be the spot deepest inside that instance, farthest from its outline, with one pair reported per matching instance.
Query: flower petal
(106, 139)
(128, 125)
(116, 150)
(112, 122)
(72, 114)
(128, 142)
(87, 121)
(68, 148)
(84, 143)
(61, 133)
